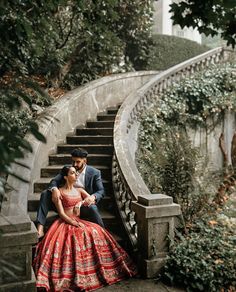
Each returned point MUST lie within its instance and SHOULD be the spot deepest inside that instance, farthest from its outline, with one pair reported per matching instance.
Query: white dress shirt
(80, 181)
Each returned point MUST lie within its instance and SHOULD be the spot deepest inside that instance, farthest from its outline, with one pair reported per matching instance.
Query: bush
(205, 260)
(178, 170)
(171, 50)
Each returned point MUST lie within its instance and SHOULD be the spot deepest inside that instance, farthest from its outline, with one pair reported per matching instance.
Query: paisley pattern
(83, 258)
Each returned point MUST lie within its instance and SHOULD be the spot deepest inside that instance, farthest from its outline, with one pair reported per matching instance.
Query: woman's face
(72, 175)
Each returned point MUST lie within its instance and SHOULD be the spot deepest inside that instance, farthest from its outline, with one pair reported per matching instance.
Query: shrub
(205, 260)
(178, 170)
(171, 50)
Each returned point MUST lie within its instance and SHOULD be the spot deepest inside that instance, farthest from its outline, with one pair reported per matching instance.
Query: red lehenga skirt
(85, 258)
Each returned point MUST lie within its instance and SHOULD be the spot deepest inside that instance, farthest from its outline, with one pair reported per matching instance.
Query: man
(88, 178)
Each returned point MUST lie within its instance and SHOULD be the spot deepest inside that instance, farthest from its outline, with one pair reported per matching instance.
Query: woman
(76, 254)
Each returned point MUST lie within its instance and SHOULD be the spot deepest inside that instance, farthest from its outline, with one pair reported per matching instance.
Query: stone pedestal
(155, 215)
(17, 235)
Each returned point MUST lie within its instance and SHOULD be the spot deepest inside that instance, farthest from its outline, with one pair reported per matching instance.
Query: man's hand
(56, 195)
(91, 200)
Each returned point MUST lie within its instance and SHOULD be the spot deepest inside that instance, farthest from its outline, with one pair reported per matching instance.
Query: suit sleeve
(98, 186)
(55, 182)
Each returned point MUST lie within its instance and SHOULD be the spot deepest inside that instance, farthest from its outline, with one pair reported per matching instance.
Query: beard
(79, 167)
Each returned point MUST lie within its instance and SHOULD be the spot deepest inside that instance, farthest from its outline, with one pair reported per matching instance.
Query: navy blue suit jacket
(93, 182)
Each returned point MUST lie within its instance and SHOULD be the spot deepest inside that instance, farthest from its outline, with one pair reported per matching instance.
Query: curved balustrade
(127, 181)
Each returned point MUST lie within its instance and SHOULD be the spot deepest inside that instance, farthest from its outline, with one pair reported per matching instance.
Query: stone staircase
(97, 138)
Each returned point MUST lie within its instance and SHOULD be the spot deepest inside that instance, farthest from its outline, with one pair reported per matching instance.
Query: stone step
(100, 124)
(112, 110)
(43, 183)
(97, 139)
(92, 149)
(93, 159)
(33, 202)
(53, 170)
(74, 139)
(106, 117)
(94, 131)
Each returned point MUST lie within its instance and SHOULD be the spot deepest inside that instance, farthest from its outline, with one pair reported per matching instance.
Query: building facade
(163, 23)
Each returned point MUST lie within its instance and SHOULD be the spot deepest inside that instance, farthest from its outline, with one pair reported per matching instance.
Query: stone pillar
(155, 215)
(17, 235)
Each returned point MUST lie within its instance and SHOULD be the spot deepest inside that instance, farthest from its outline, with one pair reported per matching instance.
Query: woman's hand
(75, 223)
(81, 224)
(76, 209)
(91, 200)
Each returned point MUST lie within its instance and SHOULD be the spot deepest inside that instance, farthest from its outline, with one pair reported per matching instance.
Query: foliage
(171, 50)
(191, 101)
(164, 150)
(16, 119)
(23, 26)
(213, 42)
(68, 42)
(178, 170)
(134, 29)
(96, 38)
(205, 260)
(209, 17)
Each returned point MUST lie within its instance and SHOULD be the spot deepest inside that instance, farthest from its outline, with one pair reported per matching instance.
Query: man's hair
(81, 153)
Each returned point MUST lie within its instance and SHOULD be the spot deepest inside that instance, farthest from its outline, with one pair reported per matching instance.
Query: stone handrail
(127, 181)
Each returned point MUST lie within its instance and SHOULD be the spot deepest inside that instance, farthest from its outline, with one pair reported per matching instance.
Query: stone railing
(17, 232)
(129, 186)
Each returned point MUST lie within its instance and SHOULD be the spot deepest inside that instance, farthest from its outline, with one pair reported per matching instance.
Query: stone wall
(208, 139)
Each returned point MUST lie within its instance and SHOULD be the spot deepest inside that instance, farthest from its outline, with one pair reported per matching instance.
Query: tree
(102, 37)
(210, 17)
(68, 42)
(23, 25)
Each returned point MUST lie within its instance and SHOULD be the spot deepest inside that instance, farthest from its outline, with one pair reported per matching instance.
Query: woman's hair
(64, 172)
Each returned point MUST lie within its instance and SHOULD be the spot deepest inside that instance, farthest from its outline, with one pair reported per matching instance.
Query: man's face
(78, 163)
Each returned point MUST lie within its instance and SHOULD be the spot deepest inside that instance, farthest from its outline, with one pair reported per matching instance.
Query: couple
(75, 254)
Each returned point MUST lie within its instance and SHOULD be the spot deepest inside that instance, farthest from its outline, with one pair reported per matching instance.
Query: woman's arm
(63, 215)
(83, 193)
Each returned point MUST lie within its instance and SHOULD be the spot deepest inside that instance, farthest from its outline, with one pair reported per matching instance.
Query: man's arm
(98, 186)
(53, 187)
(55, 182)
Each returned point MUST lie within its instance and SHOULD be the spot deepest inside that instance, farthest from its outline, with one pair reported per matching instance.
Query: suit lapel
(87, 177)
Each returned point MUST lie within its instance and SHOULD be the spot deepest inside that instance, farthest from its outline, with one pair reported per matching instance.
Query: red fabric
(84, 258)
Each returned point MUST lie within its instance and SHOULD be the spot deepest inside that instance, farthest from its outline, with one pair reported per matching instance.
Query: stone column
(155, 215)
(17, 235)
